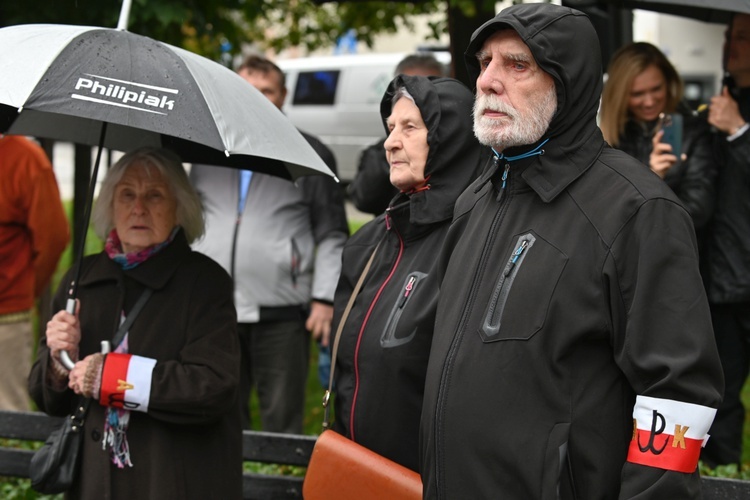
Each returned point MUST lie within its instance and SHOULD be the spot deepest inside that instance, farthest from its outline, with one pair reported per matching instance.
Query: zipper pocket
(388, 338)
(496, 306)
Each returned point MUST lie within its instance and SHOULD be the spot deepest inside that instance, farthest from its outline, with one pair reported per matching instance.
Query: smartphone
(671, 124)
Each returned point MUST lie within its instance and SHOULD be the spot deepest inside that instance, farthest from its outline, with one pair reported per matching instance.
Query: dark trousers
(731, 324)
(275, 360)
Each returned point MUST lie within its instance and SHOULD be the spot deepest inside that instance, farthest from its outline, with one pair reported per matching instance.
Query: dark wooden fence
(263, 447)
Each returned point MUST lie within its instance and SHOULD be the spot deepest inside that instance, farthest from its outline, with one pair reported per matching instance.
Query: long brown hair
(627, 63)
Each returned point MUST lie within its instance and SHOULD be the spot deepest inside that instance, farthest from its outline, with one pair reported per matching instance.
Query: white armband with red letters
(126, 381)
(669, 434)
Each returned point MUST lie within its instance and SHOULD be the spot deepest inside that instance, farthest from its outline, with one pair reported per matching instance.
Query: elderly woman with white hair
(385, 340)
(164, 419)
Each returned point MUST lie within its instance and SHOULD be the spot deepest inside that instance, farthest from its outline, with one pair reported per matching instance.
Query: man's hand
(319, 321)
(724, 113)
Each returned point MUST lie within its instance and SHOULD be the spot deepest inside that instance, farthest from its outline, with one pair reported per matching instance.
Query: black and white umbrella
(712, 11)
(65, 82)
(119, 90)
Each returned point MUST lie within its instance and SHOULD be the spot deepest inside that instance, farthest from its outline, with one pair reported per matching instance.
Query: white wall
(694, 47)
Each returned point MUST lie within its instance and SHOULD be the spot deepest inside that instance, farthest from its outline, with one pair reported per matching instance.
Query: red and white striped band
(126, 381)
(669, 434)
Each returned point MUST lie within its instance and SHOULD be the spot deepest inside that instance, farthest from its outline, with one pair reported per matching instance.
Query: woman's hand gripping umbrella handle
(70, 307)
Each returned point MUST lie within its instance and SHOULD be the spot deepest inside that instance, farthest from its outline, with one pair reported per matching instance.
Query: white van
(337, 99)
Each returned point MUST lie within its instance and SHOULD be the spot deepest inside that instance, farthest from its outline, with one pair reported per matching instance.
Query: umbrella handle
(66, 361)
(70, 307)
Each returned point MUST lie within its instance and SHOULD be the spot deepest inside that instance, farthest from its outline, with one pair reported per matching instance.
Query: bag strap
(79, 414)
(125, 326)
(337, 336)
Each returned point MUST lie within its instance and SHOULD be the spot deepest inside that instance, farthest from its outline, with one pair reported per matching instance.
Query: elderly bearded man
(573, 354)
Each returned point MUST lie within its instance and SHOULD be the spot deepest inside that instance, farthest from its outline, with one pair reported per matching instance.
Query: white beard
(517, 128)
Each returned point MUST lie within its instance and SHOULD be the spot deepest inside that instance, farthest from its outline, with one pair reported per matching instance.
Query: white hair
(519, 127)
(401, 92)
(189, 210)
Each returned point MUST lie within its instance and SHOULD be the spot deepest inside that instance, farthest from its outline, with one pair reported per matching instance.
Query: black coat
(566, 298)
(189, 444)
(728, 254)
(692, 180)
(385, 342)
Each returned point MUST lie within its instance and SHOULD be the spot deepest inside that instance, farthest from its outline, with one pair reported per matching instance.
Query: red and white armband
(126, 381)
(669, 434)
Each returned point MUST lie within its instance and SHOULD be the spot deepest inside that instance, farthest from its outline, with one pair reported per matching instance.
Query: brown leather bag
(341, 469)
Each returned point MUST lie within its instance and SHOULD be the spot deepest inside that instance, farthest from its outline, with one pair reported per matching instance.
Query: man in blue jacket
(573, 355)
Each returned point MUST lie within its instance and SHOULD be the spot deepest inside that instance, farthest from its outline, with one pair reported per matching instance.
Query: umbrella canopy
(64, 82)
(119, 90)
(714, 11)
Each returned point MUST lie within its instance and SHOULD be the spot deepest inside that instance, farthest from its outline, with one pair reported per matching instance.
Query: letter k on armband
(669, 434)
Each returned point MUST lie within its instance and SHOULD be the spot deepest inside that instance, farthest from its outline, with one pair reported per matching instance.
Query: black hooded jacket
(382, 355)
(570, 306)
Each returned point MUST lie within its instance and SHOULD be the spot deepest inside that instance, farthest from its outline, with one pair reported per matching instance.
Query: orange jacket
(33, 227)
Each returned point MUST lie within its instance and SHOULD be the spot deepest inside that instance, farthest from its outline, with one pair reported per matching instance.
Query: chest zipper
(496, 306)
(469, 305)
(523, 246)
(388, 337)
(407, 290)
(366, 319)
(458, 338)
(505, 181)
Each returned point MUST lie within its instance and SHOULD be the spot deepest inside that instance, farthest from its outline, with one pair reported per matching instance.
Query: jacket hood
(455, 156)
(565, 45)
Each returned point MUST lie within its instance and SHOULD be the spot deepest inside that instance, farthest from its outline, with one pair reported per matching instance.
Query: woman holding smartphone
(641, 98)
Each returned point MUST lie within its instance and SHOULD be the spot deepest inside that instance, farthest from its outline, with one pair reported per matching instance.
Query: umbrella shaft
(73, 289)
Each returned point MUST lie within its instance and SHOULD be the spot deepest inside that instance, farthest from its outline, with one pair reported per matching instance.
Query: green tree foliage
(279, 24)
(202, 25)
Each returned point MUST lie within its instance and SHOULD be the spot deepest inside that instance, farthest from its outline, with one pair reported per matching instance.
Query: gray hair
(189, 207)
(399, 93)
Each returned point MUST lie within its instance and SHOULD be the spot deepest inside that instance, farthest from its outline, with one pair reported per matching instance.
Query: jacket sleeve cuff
(126, 381)
(669, 434)
(57, 375)
(740, 131)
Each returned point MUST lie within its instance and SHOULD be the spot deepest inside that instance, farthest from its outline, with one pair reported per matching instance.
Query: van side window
(316, 87)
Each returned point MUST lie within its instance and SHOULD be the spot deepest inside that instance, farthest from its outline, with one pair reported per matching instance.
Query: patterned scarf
(113, 247)
(116, 420)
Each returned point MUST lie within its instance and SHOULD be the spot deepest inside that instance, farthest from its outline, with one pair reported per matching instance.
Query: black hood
(455, 156)
(565, 45)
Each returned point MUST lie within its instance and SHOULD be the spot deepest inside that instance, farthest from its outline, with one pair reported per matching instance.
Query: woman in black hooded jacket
(385, 342)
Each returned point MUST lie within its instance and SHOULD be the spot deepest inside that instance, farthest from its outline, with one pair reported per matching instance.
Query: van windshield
(316, 87)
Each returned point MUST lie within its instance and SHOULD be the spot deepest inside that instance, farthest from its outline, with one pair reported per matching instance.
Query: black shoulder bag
(54, 466)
